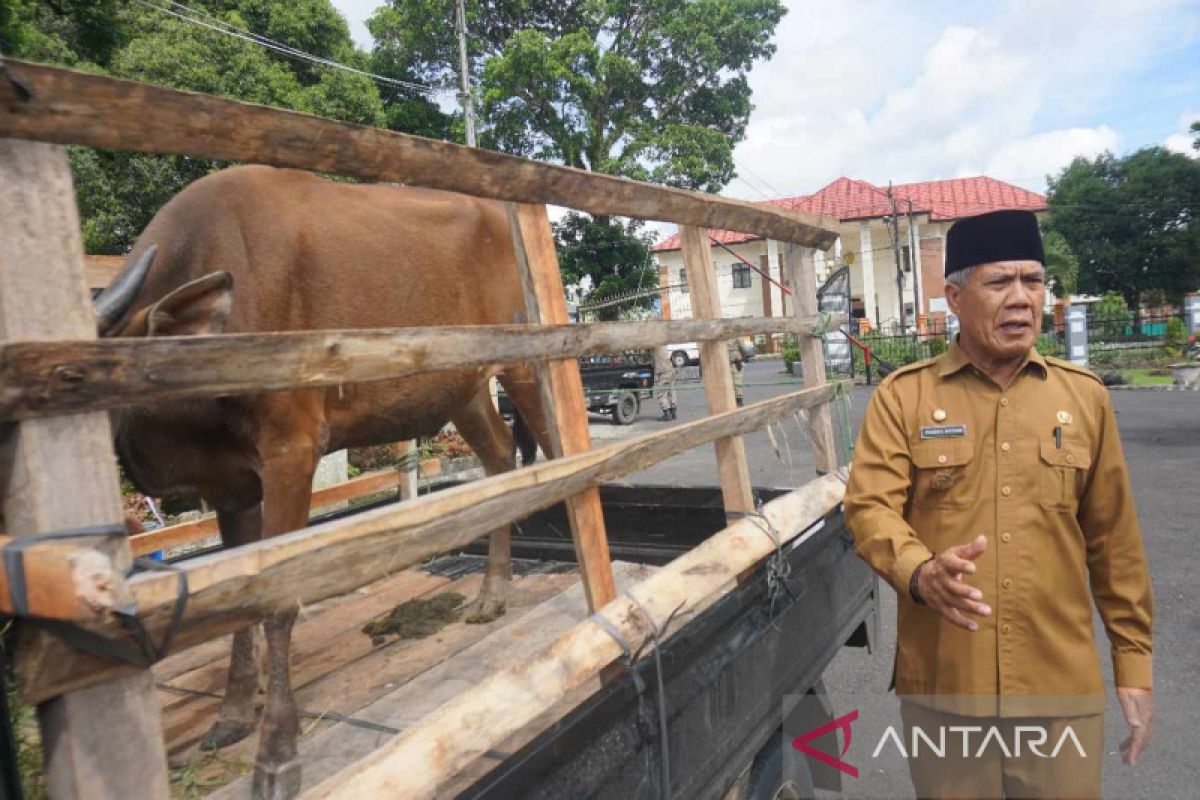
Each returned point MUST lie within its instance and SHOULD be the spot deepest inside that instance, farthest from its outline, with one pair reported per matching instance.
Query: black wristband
(912, 582)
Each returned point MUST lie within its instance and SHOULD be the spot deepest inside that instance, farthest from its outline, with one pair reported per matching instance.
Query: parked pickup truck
(612, 385)
(617, 386)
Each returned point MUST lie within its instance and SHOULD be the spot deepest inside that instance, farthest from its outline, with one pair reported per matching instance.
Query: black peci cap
(995, 236)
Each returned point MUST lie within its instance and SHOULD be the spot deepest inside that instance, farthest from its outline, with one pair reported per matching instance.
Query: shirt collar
(955, 360)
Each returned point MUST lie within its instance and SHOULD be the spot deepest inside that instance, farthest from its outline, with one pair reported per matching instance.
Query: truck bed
(602, 741)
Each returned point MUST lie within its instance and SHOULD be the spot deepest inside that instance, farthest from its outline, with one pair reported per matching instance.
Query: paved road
(1161, 435)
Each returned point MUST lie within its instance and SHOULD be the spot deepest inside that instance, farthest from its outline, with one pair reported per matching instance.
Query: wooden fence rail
(231, 589)
(68, 107)
(39, 379)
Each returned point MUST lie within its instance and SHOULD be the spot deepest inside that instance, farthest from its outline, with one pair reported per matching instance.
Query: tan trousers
(992, 774)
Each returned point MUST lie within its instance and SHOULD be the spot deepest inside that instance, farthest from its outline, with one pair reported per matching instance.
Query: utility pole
(465, 96)
(894, 230)
(915, 260)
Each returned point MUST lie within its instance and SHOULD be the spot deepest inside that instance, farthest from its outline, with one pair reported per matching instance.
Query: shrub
(790, 356)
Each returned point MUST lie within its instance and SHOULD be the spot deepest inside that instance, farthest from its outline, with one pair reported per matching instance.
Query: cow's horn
(113, 302)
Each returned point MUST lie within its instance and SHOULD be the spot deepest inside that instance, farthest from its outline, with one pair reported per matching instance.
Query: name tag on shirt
(943, 431)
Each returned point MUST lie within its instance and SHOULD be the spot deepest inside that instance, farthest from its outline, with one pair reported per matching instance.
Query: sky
(885, 90)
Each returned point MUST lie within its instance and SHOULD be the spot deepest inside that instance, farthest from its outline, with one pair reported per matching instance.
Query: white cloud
(1021, 160)
(881, 92)
(1181, 141)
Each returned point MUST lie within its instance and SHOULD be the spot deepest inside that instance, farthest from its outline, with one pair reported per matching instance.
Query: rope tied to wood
(146, 652)
(779, 569)
(822, 327)
(630, 657)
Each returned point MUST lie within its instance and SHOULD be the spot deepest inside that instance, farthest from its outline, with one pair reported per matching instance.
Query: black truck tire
(679, 359)
(767, 780)
(627, 408)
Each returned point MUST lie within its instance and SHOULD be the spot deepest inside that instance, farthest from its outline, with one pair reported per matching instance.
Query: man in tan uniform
(989, 488)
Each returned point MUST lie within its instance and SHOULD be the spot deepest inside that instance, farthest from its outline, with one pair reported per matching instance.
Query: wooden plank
(732, 466)
(416, 763)
(561, 389)
(39, 379)
(206, 527)
(326, 639)
(231, 589)
(62, 581)
(799, 262)
(75, 108)
(415, 695)
(102, 741)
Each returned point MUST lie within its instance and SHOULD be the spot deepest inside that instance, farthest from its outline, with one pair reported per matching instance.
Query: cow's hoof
(224, 733)
(483, 609)
(276, 781)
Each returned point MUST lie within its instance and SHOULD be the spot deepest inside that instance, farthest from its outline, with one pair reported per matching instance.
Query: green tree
(119, 192)
(651, 90)
(1131, 222)
(1195, 129)
(1062, 267)
(613, 256)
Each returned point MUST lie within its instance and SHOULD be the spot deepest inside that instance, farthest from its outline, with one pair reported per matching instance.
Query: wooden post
(799, 262)
(59, 473)
(718, 375)
(561, 390)
(408, 475)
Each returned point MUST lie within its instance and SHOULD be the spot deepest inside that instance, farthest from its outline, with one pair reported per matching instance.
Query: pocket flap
(1070, 455)
(943, 453)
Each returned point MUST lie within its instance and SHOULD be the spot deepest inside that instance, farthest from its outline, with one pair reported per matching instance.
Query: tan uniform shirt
(944, 455)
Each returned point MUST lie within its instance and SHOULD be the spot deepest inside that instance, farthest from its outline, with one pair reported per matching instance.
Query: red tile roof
(846, 199)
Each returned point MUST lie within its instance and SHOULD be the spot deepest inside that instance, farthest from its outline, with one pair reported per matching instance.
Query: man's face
(1000, 308)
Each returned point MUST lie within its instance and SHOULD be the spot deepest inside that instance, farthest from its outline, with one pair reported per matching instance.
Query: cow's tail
(523, 437)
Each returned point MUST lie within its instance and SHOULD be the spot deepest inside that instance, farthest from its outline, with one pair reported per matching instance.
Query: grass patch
(1148, 377)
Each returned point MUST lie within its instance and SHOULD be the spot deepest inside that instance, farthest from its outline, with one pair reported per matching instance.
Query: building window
(741, 276)
(683, 284)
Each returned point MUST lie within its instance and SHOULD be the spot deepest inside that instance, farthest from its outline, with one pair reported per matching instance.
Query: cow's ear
(201, 306)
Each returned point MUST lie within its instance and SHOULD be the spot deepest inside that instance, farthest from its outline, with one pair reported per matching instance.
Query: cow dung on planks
(416, 619)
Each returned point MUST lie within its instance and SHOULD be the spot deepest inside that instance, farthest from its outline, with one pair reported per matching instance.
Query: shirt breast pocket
(941, 473)
(1062, 472)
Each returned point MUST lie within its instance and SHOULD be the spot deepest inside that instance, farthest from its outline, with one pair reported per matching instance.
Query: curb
(1164, 388)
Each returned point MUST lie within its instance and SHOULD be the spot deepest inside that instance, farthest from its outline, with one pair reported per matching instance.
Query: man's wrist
(914, 586)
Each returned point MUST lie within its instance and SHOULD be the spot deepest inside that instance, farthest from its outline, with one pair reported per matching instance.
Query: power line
(196, 17)
(758, 177)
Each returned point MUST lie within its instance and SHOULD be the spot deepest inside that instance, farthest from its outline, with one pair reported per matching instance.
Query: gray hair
(960, 277)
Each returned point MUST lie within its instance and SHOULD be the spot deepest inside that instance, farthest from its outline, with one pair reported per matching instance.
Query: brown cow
(261, 249)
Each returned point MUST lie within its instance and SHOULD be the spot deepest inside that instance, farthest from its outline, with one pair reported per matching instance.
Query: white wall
(741, 302)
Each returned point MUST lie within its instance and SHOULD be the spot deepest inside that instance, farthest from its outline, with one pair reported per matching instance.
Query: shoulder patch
(907, 369)
(1071, 366)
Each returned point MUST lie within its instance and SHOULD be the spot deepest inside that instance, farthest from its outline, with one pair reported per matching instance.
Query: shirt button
(1005, 490)
(1005, 446)
(1004, 401)
(1007, 583)
(1006, 629)
(1006, 537)
(1070, 458)
(941, 459)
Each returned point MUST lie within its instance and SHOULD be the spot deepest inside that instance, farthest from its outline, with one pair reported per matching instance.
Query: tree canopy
(119, 192)
(1132, 222)
(653, 90)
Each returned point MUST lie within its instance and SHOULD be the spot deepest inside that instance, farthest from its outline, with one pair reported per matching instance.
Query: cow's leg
(236, 718)
(520, 384)
(290, 444)
(484, 430)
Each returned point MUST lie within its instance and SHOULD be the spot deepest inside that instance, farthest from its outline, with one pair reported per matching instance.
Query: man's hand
(941, 586)
(1138, 705)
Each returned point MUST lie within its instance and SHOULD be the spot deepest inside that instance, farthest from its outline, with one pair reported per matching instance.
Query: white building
(863, 214)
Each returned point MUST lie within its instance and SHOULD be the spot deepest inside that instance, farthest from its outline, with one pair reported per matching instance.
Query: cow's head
(199, 306)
